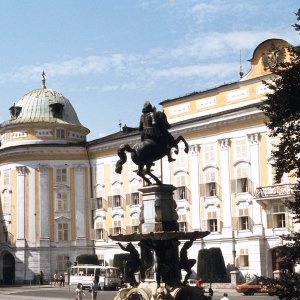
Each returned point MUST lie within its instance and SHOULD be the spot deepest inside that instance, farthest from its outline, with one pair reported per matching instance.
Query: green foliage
(87, 259)
(120, 260)
(282, 107)
(211, 265)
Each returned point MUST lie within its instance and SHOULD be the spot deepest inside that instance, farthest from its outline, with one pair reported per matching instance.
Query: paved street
(47, 292)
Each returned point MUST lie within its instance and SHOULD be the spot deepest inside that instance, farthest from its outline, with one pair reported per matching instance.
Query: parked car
(255, 286)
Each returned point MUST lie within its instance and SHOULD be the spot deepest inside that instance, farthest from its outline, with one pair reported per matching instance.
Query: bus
(107, 277)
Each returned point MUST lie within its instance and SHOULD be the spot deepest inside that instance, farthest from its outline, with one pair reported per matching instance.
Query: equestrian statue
(156, 142)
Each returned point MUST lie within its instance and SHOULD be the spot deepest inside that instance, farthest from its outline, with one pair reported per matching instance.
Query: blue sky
(107, 57)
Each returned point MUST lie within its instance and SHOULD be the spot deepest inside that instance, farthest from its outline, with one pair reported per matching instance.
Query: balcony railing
(182, 193)
(7, 238)
(275, 190)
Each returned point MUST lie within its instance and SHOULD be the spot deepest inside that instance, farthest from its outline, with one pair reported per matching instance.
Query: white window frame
(61, 175)
(63, 234)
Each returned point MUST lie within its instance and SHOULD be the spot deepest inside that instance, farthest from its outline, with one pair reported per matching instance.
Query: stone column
(20, 242)
(21, 265)
(255, 177)
(195, 186)
(225, 184)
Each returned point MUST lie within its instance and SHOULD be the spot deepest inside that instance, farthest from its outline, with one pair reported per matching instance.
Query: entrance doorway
(8, 268)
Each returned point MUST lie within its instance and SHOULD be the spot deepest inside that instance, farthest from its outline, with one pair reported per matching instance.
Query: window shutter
(233, 186)
(202, 190)
(204, 225)
(128, 199)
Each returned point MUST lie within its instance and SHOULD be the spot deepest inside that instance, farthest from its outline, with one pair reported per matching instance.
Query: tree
(211, 265)
(89, 259)
(282, 108)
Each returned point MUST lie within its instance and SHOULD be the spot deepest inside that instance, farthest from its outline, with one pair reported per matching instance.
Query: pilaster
(255, 176)
(225, 183)
(44, 205)
(195, 185)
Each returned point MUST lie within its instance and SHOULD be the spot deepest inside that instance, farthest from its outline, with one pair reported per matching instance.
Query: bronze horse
(145, 153)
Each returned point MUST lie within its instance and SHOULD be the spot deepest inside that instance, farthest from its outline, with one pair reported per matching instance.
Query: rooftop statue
(156, 142)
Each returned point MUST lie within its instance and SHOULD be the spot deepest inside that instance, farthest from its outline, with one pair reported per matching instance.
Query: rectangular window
(62, 204)
(244, 258)
(117, 229)
(61, 175)
(99, 231)
(135, 225)
(209, 154)
(116, 201)
(211, 189)
(243, 219)
(242, 185)
(100, 234)
(62, 231)
(182, 223)
(60, 133)
(135, 199)
(241, 148)
(62, 263)
(278, 218)
(212, 221)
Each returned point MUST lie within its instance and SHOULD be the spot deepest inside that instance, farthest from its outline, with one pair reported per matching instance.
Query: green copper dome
(43, 105)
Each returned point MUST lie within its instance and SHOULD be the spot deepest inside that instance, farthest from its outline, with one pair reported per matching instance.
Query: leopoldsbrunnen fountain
(159, 261)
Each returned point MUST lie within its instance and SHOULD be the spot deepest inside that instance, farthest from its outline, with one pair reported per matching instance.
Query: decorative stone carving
(224, 144)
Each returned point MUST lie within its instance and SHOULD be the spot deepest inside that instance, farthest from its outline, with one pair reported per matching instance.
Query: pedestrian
(225, 297)
(55, 278)
(41, 277)
(62, 279)
(79, 292)
(94, 289)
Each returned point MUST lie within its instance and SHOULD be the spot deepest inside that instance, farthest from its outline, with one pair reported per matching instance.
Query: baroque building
(60, 195)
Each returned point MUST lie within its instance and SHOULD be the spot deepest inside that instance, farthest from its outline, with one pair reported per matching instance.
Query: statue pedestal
(160, 265)
(158, 211)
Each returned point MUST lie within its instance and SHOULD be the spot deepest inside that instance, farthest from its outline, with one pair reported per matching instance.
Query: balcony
(283, 192)
(116, 201)
(182, 193)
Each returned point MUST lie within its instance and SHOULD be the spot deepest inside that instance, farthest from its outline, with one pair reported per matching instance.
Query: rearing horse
(145, 153)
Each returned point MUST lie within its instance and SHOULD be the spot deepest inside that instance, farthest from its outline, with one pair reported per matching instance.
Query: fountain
(159, 263)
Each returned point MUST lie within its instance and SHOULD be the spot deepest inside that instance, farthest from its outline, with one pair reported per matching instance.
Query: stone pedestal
(234, 276)
(158, 211)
